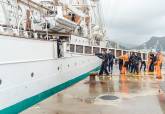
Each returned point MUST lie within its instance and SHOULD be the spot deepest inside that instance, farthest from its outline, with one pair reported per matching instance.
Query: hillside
(153, 43)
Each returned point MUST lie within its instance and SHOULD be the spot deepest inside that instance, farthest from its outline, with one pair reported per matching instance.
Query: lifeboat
(61, 24)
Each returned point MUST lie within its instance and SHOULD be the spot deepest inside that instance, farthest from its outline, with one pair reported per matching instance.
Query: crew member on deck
(59, 44)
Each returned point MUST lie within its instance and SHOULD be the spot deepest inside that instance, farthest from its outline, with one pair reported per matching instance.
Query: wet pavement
(119, 94)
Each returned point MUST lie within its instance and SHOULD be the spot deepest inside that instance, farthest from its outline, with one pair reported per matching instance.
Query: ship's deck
(132, 94)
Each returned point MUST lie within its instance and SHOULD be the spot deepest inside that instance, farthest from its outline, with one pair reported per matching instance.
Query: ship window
(131, 53)
(72, 47)
(139, 54)
(124, 52)
(88, 49)
(67, 47)
(97, 42)
(103, 49)
(112, 51)
(144, 56)
(96, 50)
(118, 53)
(79, 49)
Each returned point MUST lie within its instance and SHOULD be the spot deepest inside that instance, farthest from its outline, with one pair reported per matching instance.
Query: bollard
(92, 76)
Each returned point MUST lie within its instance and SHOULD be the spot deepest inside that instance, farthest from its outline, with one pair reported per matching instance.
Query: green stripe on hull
(19, 107)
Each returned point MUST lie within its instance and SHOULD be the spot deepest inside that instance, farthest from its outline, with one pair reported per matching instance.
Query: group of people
(107, 62)
(155, 61)
(132, 63)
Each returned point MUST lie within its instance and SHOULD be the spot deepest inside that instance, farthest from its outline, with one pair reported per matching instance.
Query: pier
(116, 94)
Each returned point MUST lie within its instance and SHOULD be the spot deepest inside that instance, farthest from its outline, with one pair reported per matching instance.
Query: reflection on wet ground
(136, 94)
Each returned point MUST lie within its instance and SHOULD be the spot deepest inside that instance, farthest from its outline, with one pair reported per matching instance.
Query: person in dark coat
(59, 43)
(110, 61)
(135, 63)
(139, 60)
(120, 64)
(143, 63)
(104, 56)
(132, 64)
(153, 59)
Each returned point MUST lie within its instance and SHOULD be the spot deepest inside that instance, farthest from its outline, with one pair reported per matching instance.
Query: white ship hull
(30, 72)
(32, 69)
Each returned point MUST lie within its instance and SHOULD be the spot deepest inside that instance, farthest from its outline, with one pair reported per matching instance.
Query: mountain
(153, 43)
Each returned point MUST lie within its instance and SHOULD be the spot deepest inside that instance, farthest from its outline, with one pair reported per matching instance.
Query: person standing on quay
(104, 56)
(110, 62)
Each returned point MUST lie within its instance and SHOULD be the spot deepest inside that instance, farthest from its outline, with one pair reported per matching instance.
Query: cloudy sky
(134, 21)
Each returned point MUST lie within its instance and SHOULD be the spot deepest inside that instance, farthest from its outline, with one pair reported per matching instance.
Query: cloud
(134, 21)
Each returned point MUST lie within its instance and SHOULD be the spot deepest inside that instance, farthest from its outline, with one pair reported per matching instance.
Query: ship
(47, 46)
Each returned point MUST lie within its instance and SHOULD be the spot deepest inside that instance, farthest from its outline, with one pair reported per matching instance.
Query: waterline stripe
(21, 106)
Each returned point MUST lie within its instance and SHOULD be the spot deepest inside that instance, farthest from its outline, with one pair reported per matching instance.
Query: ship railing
(29, 34)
